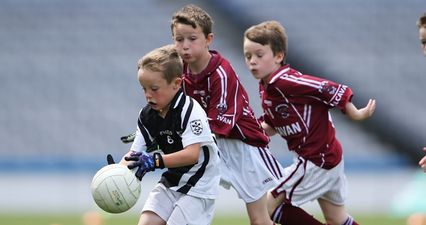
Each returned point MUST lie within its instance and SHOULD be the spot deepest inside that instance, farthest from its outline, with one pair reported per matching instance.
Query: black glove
(110, 160)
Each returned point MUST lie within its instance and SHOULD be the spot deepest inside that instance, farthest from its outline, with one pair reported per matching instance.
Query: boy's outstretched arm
(360, 114)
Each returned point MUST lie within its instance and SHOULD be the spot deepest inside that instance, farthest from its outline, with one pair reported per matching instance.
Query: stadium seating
(68, 87)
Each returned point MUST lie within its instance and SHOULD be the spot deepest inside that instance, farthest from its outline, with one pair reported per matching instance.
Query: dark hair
(194, 16)
(270, 33)
(421, 22)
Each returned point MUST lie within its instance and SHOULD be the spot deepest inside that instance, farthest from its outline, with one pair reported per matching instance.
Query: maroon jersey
(297, 106)
(219, 91)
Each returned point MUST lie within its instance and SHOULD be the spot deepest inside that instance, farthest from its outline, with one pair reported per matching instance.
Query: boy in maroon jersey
(297, 107)
(246, 163)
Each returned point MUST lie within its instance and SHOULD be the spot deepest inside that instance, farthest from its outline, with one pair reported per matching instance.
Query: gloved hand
(139, 175)
(145, 162)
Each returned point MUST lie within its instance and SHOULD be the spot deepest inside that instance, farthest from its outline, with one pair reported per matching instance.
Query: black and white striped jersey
(185, 124)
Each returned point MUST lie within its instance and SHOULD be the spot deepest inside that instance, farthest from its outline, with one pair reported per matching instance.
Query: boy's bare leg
(335, 214)
(258, 213)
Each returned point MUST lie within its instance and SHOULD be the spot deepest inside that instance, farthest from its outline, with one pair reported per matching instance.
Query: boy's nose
(185, 46)
(147, 96)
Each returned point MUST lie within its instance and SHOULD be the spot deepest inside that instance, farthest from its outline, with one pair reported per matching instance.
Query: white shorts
(176, 208)
(251, 171)
(303, 182)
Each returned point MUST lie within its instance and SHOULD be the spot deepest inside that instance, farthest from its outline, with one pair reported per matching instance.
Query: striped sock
(350, 221)
(287, 214)
(276, 215)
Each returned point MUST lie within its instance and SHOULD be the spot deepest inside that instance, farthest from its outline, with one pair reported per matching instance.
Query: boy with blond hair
(187, 190)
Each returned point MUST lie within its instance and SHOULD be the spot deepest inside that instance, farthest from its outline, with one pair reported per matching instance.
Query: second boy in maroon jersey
(296, 106)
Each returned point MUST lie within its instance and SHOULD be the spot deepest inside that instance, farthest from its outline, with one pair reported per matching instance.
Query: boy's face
(260, 59)
(190, 42)
(422, 37)
(158, 92)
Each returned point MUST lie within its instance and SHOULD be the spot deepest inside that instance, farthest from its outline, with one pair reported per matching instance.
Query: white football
(115, 188)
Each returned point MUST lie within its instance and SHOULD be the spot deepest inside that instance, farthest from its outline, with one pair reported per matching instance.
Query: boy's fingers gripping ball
(115, 188)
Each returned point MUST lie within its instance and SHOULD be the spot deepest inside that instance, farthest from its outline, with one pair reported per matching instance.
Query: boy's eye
(423, 42)
(153, 89)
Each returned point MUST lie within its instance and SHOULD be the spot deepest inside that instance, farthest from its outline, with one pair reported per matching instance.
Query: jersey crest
(221, 108)
(327, 88)
(282, 109)
(196, 127)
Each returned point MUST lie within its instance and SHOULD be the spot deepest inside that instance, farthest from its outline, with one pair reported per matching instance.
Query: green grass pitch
(124, 219)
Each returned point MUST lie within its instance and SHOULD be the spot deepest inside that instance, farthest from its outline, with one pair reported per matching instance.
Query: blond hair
(269, 33)
(194, 16)
(165, 60)
(421, 22)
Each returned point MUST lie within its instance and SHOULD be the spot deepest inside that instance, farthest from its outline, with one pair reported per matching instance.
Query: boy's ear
(279, 57)
(209, 38)
(177, 83)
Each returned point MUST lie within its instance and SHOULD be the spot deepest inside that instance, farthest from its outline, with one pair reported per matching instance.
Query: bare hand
(363, 113)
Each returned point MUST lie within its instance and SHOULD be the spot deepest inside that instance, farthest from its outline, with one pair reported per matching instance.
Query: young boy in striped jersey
(296, 106)
(175, 122)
